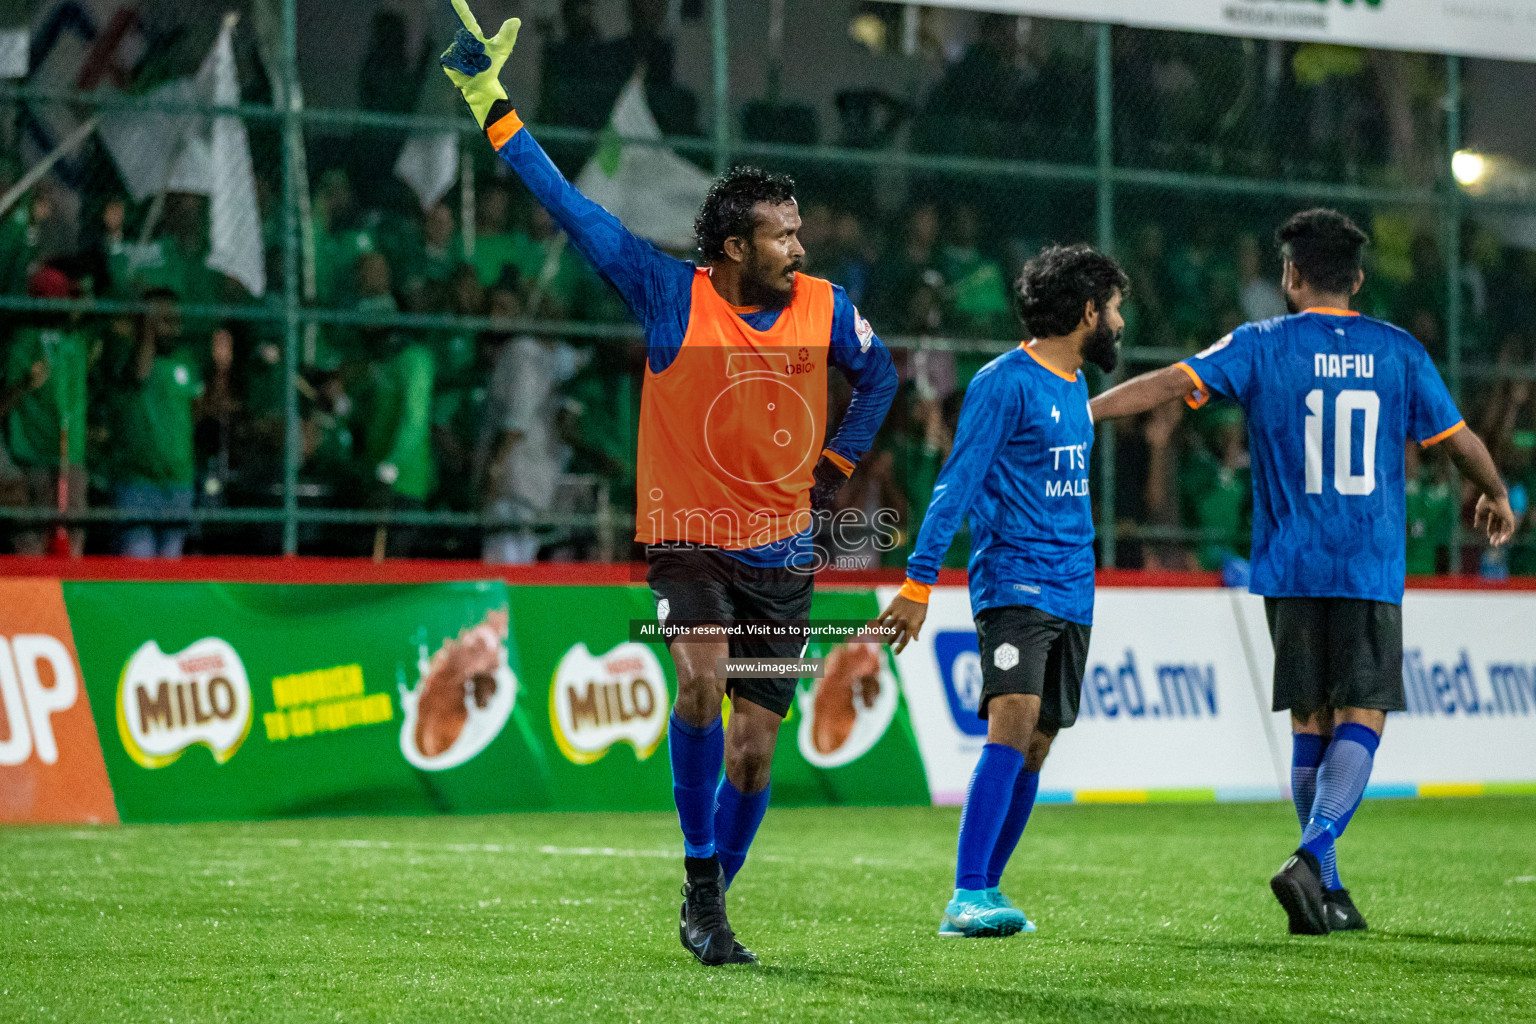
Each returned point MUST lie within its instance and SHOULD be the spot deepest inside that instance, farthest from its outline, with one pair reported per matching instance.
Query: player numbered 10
(1344, 407)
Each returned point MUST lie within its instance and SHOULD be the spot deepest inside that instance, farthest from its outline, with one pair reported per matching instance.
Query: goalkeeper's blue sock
(737, 816)
(1306, 755)
(1024, 789)
(1341, 781)
(697, 754)
(986, 805)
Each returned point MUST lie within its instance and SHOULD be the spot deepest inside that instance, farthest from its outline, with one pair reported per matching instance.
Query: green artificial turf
(1150, 913)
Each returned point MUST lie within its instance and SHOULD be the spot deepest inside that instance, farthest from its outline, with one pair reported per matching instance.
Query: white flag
(157, 153)
(655, 192)
(429, 163)
(145, 145)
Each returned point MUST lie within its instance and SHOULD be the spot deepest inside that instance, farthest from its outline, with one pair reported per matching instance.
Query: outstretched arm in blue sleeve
(991, 407)
(649, 281)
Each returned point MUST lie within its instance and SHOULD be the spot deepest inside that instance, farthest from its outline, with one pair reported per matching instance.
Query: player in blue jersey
(1019, 469)
(1332, 399)
(726, 540)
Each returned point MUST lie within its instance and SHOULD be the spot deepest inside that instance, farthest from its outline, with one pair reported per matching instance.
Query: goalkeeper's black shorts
(695, 584)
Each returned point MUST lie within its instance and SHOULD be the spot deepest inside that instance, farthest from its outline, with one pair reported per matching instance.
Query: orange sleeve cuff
(838, 461)
(1202, 394)
(502, 131)
(1442, 435)
(915, 591)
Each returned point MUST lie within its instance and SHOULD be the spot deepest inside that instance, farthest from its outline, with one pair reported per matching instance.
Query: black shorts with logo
(1336, 652)
(1026, 650)
(705, 585)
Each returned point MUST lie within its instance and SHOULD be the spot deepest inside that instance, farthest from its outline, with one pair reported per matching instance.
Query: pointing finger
(461, 7)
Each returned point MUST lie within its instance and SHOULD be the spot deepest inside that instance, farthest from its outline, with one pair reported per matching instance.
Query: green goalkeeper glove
(473, 63)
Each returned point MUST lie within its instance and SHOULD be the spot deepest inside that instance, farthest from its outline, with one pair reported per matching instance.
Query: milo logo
(596, 701)
(168, 702)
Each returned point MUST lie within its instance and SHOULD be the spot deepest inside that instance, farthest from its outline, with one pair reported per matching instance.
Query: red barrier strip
(359, 570)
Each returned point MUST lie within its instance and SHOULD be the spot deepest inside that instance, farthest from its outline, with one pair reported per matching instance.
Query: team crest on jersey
(865, 332)
(1223, 343)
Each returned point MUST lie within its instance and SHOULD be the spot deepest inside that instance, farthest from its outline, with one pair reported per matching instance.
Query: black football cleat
(741, 955)
(1299, 889)
(1341, 912)
(703, 928)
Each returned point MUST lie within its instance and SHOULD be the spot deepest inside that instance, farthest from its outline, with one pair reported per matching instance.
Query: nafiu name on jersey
(1019, 468)
(1332, 398)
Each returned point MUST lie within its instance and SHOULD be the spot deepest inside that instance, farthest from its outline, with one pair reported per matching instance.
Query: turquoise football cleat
(971, 914)
(995, 894)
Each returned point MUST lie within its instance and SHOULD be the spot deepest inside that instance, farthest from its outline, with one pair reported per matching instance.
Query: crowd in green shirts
(171, 411)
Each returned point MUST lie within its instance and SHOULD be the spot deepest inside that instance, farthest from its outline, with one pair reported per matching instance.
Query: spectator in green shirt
(29, 234)
(1521, 469)
(47, 366)
(156, 413)
(177, 261)
(463, 366)
(496, 245)
(978, 292)
(432, 253)
(1431, 511)
(930, 437)
(398, 434)
(1215, 486)
(343, 234)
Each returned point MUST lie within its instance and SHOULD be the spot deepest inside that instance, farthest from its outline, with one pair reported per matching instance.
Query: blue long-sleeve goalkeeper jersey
(1019, 468)
(657, 290)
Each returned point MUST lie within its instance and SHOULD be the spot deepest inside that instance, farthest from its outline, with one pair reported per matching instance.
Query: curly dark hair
(727, 209)
(1053, 288)
(1325, 247)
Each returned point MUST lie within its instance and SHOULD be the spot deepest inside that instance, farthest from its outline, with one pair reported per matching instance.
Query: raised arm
(646, 278)
(1139, 394)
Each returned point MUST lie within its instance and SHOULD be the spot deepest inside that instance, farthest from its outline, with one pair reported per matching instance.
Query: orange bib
(730, 432)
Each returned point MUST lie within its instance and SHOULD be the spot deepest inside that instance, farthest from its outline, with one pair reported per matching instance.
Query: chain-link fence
(264, 280)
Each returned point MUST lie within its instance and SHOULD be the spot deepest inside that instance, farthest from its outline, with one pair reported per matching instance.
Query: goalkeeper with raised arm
(731, 466)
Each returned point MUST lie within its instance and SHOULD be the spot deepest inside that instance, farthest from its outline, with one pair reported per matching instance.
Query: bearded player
(1019, 469)
(1332, 398)
(731, 465)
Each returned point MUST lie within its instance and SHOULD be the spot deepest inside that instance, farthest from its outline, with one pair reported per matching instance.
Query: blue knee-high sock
(737, 816)
(697, 754)
(1024, 789)
(986, 805)
(1306, 755)
(1341, 780)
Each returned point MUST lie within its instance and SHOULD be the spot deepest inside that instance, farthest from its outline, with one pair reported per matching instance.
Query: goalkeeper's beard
(765, 288)
(1102, 347)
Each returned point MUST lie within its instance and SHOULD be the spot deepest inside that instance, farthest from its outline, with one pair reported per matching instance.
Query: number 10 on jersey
(1345, 481)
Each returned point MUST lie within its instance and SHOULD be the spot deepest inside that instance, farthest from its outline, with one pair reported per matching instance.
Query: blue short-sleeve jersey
(1019, 469)
(1332, 398)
